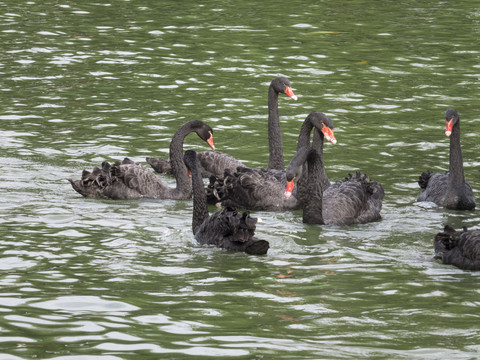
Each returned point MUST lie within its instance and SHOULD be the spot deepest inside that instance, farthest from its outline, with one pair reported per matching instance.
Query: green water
(83, 82)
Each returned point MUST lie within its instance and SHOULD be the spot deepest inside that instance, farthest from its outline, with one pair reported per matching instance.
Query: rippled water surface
(84, 82)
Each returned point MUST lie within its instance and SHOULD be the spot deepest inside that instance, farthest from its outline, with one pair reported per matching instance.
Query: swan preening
(215, 163)
(449, 190)
(227, 228)
(458, 248)
(129, 180)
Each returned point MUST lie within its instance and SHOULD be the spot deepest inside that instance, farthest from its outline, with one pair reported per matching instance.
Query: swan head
(282, 85)
(204, 131)
(451, 118)
(323, 124)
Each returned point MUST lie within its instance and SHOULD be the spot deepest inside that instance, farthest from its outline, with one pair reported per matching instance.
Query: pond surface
(84, 82)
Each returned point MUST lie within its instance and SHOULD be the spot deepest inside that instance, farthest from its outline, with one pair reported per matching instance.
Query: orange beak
(448, 131)
(289, 189)
(210, 141)
(289, 92)
(329, 135)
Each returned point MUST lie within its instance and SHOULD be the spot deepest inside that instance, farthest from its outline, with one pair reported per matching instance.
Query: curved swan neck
(456, 178)
(179, 170)
(275, 144)
(312, 122)
(305, 132)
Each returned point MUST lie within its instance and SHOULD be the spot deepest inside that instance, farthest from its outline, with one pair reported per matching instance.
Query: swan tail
(423, 179)
(92, 183)
(122, 180)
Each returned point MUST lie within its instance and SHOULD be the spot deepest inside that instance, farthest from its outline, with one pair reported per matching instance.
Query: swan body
(129, 180)
(449, 190)
(227, 228)
(211, 162)
(215, 163)
(263, 189)
(458, 248)
(353, 200)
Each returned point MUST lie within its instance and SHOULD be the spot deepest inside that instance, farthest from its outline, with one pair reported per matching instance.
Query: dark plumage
(354, 200)
(129, 180)
(226, 228)
(458, 248)
(215, 163)
(263, 189)
(449, 190)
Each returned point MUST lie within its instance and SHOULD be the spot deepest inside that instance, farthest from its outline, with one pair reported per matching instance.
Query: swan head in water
(451, 118)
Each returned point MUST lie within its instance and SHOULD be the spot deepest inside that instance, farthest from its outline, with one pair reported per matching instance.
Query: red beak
(289, 92)
(328, 133)
(210, 141)
(448, 131)
(289, 189)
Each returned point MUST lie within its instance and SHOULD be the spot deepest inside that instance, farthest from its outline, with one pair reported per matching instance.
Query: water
(93, 81)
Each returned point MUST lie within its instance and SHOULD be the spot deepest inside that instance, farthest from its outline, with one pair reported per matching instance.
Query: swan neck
(304, 136)
(317, 144)
(456, 178)
(179, 170)
(313, 207)
(275, 144)
(200, 207)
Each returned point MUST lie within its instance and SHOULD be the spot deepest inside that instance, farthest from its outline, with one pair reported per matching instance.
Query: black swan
(459, 248)
(129, 180)
(215, 163)
(449, 190)
(226, 228)
(354, 200)
(263, 189)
